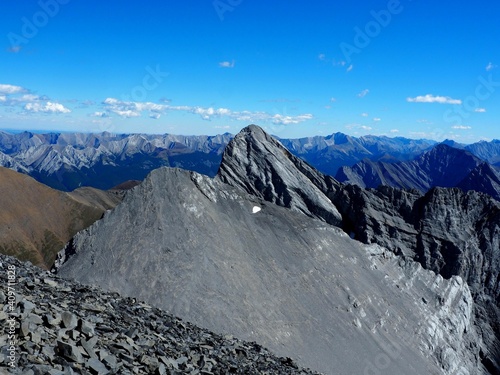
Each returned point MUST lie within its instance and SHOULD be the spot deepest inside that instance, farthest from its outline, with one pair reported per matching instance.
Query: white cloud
(100, 114)
(322, 57)
(429, 98)
(351, 67)
(135, 109)
(480, 110)
(358, 126)
(11, 89)
(363, 93)
(48, 107)
(490, 66)
(377, 119)
(461, 127)
(333, 100)
(3, 98)
(154, 116)
(286, 120)
(227, 64)
(364, 114)
(394, 130)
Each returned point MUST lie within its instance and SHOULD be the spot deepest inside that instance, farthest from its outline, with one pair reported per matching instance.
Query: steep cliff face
(198, 248)
(446, 230)
(259, 164)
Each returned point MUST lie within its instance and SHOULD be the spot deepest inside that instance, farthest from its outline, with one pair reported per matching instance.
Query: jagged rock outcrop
(54, 326)
(198, 248)
(449, 231)
(263, 167)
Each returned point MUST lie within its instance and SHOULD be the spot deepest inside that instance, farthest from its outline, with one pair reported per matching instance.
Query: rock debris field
(63, 327)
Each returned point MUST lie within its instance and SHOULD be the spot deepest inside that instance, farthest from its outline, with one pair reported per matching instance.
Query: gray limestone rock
(297, 285)
(172, 337)
(263, 167)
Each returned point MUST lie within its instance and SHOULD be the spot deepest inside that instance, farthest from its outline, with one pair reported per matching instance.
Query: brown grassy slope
(36, 221)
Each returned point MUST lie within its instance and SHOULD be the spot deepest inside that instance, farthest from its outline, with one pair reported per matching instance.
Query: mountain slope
(446, 230)
(296, 284)
(442, 166)
(36, 221)
(449, 231)
(74, 329)
(483, 178)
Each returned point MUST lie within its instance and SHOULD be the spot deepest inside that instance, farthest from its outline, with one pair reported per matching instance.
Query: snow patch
(256, 209)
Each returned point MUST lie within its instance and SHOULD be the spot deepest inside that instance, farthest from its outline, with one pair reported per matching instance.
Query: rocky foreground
(57, 327)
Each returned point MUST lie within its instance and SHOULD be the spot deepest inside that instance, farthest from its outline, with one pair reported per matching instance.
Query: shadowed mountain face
(203, 250)
(443, 166)
(36, 221)
(332, 152)
(484, 178)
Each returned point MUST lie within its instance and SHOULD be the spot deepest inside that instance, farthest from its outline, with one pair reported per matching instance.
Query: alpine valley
(392, 267)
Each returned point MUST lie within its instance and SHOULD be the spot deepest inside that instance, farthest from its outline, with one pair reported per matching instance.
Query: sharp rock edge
(300, 286)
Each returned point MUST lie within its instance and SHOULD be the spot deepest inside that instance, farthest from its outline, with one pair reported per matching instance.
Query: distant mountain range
(67, 161)
(442, 166)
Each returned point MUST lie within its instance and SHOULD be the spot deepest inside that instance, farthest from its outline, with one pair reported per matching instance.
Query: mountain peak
(260, 165)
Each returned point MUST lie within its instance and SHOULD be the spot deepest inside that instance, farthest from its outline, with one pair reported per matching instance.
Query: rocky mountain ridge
(446, 230)
(66, 161)
(232, 261)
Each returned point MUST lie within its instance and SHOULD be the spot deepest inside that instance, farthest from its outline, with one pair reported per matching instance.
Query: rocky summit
(63, 328)
(446, 230)
(263, 167)
(225, 258)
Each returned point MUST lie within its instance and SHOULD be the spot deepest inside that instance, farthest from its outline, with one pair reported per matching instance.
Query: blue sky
(399, 68)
